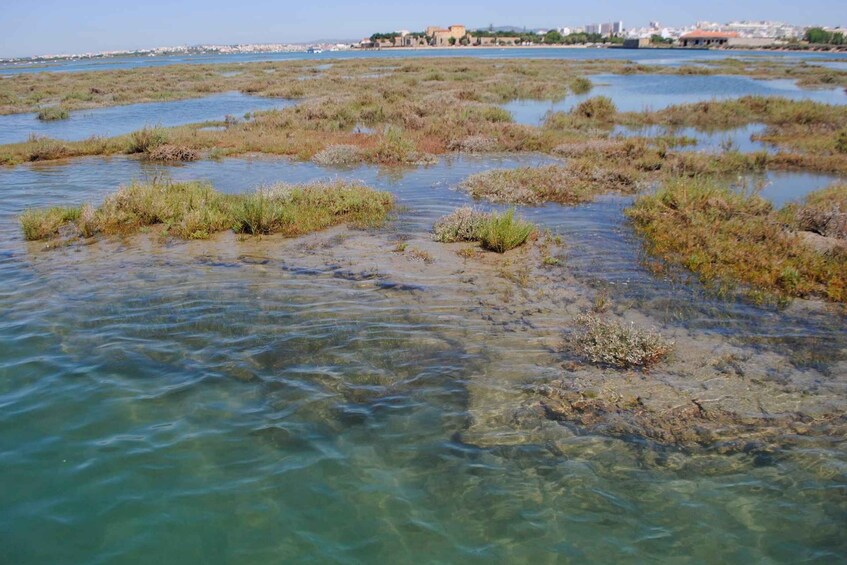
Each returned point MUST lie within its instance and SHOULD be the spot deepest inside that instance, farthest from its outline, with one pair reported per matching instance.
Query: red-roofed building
(707, 38)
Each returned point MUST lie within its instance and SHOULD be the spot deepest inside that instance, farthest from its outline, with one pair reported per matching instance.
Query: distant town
(739, 34)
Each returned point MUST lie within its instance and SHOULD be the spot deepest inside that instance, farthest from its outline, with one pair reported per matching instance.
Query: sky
(39, 27)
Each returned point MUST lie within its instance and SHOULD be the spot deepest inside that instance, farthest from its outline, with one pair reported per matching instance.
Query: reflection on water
(248, 401)
(636, 93)
(738, 139)
(118, 120)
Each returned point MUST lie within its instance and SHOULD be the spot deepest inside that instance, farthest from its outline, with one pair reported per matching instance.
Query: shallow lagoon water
(119, 120)
(738, 139)
(670, 57)
(636, 93)
(180, 403)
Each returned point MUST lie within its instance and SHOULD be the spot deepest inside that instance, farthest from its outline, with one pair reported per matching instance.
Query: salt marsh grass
(194, 210)
(728, 239)
(498, 232)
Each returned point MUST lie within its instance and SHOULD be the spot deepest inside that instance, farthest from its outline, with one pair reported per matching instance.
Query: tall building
(617, 27)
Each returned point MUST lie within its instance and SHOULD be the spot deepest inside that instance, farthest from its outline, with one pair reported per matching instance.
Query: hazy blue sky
(34, 27)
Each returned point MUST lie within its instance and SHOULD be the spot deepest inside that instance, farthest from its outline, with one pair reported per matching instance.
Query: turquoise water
(119, 120)
(636, 93)
(230, 401)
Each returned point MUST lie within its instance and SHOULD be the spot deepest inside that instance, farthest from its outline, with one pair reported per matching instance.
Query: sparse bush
(823, 212)
(168, 152)
(339, 155)
(619, 345)
(463, 224)
(53, 113)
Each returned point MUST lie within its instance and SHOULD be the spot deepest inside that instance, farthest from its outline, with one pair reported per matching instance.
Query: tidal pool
(326, 398)
(637, 93)
(738, 139)
(118, 120)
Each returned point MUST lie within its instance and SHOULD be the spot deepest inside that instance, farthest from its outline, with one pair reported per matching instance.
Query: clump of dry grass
(339, 155)
(728, 238)
(619, 345)
(170, 152)
(577, 182)
(193, 210)
(498, 232)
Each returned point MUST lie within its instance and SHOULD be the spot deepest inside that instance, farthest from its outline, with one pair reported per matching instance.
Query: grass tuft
(499, 232)
(502, 232)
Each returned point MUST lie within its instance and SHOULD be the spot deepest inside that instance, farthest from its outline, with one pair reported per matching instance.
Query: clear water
(738, 139)
(636, 93)
(119, 120)
(180, 403)
(670, 57)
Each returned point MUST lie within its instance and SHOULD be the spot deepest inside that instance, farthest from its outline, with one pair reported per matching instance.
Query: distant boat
(315, 50)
